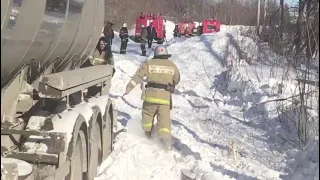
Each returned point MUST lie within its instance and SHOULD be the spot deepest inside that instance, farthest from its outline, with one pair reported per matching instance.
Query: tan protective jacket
(144, 34)
(98, 59)
(162, 71)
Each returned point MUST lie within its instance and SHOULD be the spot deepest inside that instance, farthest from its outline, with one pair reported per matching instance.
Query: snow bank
(237, 29)
(222, 97)
(259, 87)
(138, 161)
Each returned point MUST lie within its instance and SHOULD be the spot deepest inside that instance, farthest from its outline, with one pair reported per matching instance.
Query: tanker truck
(57, 120)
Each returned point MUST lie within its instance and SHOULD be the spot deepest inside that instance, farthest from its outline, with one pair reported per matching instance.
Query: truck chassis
(62, 130)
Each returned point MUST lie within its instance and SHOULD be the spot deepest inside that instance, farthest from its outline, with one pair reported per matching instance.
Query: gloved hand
(129, 87)
(170, 88)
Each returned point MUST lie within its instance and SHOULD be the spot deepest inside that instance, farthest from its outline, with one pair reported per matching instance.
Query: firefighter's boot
(122, 51)
(149, 43)
(166, 143)
(148, 134)
(123, 47)
(143, 49)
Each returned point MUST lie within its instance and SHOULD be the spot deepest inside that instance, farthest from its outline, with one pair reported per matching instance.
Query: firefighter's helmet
(161, 52)
(124, 25)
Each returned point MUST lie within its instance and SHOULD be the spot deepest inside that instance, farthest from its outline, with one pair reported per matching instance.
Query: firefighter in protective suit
(162, 77)
(124, 38)
(144, 34)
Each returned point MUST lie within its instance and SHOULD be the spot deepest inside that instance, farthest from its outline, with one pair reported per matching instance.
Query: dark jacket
(124, 34)
(151, 31)
(200, 30)
(144, 34)
(176, 31)
(108, 33)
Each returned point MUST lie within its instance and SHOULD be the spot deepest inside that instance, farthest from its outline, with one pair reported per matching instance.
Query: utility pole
(281, 19)
(266, 3)
(258, 17)
(188, 9)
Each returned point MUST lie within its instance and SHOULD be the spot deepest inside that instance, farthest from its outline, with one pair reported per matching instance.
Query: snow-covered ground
(220, 107)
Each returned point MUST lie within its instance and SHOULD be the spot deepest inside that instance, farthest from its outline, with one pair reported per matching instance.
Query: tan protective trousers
(149, 111)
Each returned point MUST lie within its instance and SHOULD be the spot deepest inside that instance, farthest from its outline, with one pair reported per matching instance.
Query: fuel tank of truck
(41, 32)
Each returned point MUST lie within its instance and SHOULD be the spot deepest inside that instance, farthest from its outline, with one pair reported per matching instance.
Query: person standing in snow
(176, 31)
(151, 30)
(199, 29)
(162, 77)
(144, 34)
(108, 33)
(124, 38)
(186, 30)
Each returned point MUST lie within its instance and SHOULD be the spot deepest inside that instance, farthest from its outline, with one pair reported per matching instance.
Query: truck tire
(95, 144)
(107, 132)
(76, 169)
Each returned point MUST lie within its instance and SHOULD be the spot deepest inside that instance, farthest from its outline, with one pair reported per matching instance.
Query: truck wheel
(95, 150)
(76, 170)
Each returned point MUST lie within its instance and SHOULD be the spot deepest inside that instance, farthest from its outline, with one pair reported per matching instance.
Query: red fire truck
(186, 28)
(211, 26)
(158, 23)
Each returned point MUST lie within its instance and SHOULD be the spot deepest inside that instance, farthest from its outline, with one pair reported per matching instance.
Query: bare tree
(258, 17)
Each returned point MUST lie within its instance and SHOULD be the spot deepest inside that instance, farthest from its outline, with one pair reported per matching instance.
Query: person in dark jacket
(151, 31)
(199, 29)
(108, 33)
(124, 38)
(143, 40)
(176, 31)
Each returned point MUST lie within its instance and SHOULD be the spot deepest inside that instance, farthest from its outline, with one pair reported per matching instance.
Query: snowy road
(206, 121)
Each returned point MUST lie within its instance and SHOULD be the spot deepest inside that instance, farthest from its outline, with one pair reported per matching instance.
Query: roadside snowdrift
(216, 112)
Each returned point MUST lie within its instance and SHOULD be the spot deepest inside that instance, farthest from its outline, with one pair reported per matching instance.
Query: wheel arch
(80, 125)
(112, 113)
(96, 117)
